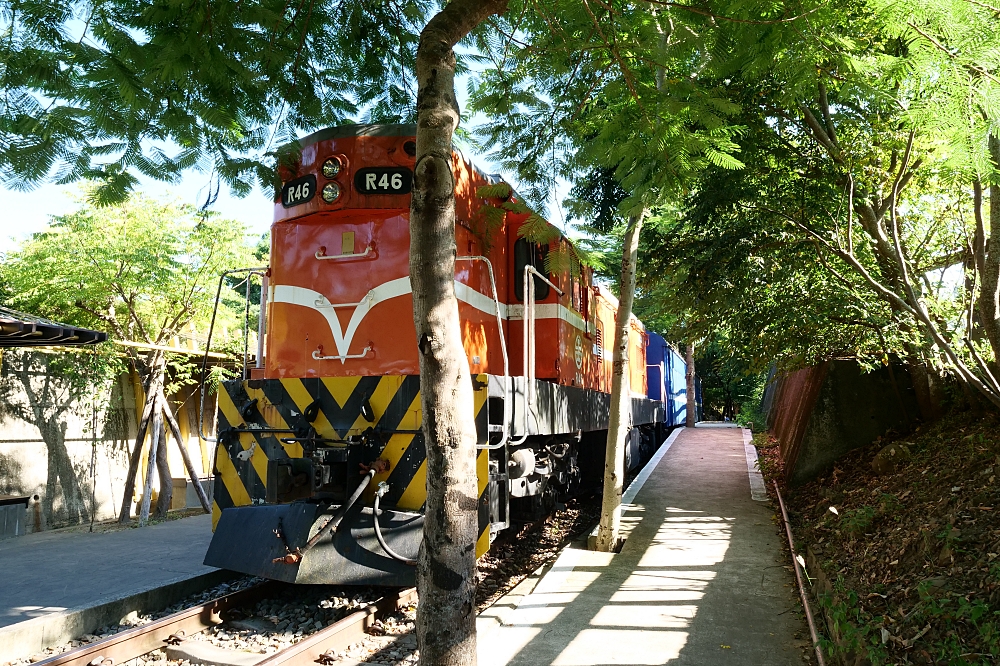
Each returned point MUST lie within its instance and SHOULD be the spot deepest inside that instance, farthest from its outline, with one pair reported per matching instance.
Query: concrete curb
(497, 614)
(637, 483)
(35, 635)
(758, 491)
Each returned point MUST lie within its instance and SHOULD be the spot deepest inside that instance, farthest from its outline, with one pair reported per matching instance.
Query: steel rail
(340, 634)
(132, 643)
(135, 642)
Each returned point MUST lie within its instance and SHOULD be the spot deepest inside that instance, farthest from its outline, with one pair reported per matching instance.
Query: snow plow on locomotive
(320, 474)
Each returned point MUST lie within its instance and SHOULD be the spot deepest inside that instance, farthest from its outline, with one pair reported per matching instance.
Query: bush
(751, 417)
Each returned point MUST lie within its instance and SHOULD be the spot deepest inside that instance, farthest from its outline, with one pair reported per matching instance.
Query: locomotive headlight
(331, 191)
(331, 168)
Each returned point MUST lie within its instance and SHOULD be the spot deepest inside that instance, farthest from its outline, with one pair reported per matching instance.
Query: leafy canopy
(144, 271)
(590, 86)
(107, 90)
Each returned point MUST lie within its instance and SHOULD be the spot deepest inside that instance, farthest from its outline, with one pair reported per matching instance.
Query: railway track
(176, 629)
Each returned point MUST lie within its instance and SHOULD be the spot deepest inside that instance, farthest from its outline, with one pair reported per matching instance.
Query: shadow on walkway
(700, 580)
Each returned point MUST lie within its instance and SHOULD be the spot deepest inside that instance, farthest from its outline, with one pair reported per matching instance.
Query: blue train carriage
(665, 369)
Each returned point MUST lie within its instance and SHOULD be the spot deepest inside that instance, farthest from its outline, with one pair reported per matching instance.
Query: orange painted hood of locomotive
(358, 305)
(341, 307)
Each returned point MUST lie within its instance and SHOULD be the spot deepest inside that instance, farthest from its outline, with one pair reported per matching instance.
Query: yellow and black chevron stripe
(280, 404)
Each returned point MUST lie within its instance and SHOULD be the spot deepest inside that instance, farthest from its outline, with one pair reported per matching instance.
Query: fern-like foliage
(109, 90)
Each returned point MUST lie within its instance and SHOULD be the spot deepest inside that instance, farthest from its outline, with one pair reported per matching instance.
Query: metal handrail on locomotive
(320, 462)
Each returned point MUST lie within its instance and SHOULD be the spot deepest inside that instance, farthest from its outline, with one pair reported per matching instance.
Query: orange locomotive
(320, 462)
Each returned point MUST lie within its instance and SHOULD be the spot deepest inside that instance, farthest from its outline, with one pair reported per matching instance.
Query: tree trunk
(921, 389)
(937, 395)
(689, 375)
(153, 386)
(51, 475)
(44, 410)
(61, 475)
(176, 432)
(620, 419)
(166, 495)
(925, 389)
(154, 441)
(446, 580)
(988, 257)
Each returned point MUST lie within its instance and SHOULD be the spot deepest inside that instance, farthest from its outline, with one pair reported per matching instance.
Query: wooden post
(163, 470)
(692, 398)
(176, 431)
(153, 386)
(154, 440)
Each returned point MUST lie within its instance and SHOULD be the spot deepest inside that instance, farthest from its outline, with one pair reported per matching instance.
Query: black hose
(204, 361)
(382, 489)
(208, 342)
(334, 521)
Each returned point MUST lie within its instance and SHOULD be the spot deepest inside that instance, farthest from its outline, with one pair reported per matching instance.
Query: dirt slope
(908, 559)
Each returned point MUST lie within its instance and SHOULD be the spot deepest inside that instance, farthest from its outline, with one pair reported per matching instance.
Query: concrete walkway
(700, 580)
(58, 585)
(48, 572)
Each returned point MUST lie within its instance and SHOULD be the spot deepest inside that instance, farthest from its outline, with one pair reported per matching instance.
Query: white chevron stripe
(400, 287)
(316, 301)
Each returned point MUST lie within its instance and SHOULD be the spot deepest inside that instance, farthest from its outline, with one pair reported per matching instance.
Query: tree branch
(720, 17)
(824, 105)
(852, 261)
(821, 135)
(626, 72)
(941, 47)
(979, 241)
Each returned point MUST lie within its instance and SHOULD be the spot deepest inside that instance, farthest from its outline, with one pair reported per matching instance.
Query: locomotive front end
(320, 461)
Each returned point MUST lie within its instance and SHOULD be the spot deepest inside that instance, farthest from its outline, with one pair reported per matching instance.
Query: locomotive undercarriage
(549, 471)
(318, 520)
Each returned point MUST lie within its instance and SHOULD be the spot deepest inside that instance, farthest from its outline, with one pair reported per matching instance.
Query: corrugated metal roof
(18, 329)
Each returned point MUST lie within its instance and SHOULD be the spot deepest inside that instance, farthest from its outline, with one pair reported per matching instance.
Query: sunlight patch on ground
(35, 611)
(654, 617)
(622, 646)
(636, 607)
(688, 542)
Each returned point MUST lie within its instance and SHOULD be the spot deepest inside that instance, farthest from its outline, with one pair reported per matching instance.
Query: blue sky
(24, 213)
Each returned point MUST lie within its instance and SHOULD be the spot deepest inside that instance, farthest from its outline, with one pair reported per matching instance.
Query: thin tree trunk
(163, 470)
(446, 580)
(60, 475)
(921, 388)
(936, 392)
(153, 387)
(620, 419)
(989, 257)
(689, 375)
(176, 432)
(51, 476)
(154, 442)
(45, 412)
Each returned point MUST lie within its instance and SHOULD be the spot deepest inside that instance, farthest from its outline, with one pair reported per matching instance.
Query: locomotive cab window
(529, 253)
